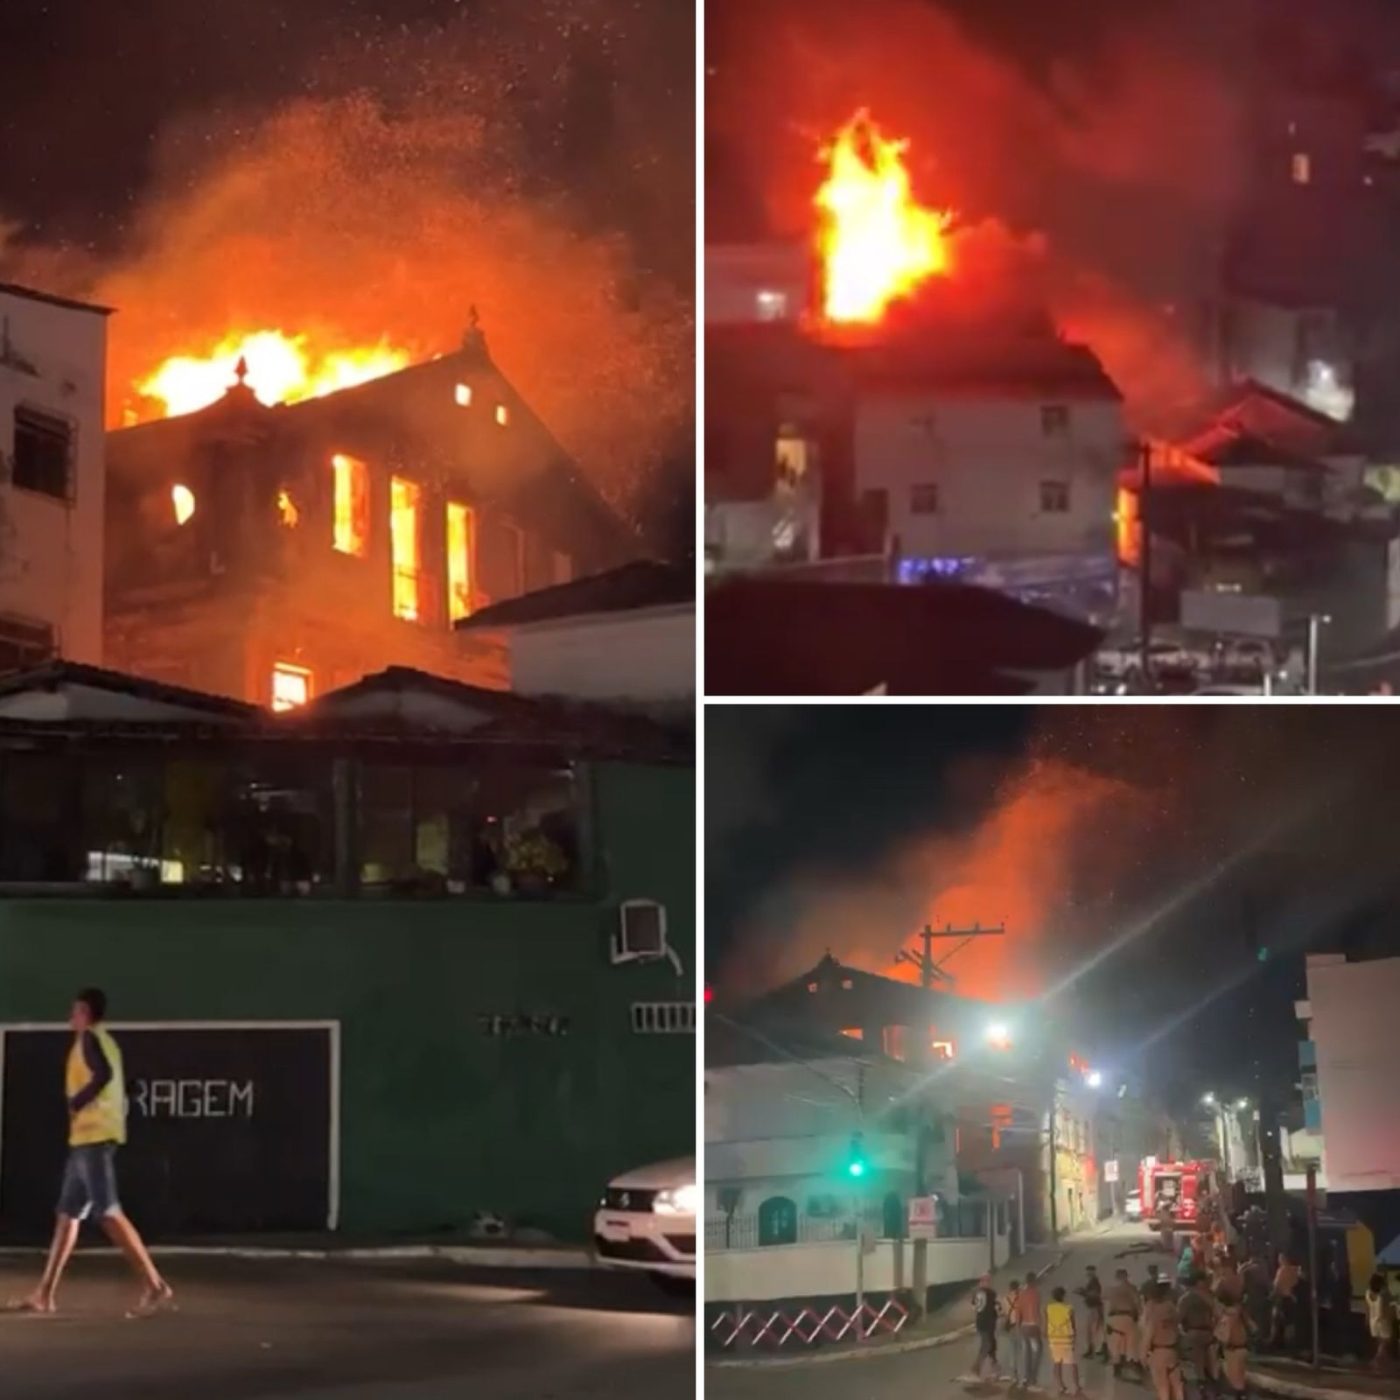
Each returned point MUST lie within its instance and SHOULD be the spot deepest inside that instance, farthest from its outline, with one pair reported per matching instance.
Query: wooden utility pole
(933, 970)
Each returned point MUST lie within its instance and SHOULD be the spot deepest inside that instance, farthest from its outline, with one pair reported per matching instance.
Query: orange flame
(282, 368)
(876, 242)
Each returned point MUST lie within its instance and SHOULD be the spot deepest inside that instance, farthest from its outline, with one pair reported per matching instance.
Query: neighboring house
(986, 454)
(812, 1142)
(1351, 1097)
(53, 361)
(747, 283)
(774, 424)
(626, 638)
(992, 462)
(412, 948)
(272, 554)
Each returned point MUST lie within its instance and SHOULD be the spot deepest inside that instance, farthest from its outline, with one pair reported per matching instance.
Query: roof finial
(241, 370)
(475, 337)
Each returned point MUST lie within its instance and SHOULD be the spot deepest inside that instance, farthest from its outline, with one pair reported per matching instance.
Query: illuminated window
(855, 1032)
(463, 395)
(1054, 497)
(182, 498)
(771, 306)
(404, 500)
(923, 498)
(461, 555)
(1302, 168)
(792, 456)
(291, 686)
(502, 414)
(351, 505)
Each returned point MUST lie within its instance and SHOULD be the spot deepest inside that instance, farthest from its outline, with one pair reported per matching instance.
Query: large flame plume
(279, 368)
(877, 243)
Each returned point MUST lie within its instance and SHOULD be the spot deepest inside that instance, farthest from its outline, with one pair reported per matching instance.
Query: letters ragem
(193, 1098)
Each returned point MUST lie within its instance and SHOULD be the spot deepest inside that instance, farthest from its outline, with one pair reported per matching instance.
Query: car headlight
(677, 1200)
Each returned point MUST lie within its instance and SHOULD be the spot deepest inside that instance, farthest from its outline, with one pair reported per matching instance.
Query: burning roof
(411, 415)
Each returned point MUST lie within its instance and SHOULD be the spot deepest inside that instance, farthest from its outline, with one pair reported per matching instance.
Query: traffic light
(857, 1163)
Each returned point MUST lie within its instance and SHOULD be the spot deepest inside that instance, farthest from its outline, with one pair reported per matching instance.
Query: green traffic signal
(856, 1163)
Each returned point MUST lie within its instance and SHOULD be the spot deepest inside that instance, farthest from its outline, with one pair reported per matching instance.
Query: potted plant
(532, 860)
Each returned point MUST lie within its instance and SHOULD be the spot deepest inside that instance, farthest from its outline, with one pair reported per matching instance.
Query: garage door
(232, 1127)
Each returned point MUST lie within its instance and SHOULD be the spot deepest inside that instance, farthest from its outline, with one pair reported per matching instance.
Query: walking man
(984, 1316)
(96, 1092)
(1060, 1333)
(1032, 1336)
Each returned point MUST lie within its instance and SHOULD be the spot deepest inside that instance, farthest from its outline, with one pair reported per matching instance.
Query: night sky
(1210, 831)
(90, 86)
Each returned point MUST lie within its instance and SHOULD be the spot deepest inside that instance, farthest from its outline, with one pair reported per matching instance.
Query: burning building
(271, 552)
(921, 412)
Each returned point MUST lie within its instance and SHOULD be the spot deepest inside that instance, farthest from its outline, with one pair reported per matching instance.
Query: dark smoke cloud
(515, 160)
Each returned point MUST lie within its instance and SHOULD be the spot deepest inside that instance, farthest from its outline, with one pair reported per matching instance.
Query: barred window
(663, 1017)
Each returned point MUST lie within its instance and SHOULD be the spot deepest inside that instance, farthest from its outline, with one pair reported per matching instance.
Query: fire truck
(1182, 1187)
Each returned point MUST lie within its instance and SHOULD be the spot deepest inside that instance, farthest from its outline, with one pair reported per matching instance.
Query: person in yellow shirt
(1060, 1334)
(95, 1088)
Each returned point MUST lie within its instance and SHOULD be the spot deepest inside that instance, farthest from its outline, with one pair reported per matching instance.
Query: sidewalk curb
(942, 1339)
(487, 1256)
(1292, 1390)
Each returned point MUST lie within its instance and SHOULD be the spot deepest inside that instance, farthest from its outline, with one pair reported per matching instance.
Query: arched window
(777, 1221)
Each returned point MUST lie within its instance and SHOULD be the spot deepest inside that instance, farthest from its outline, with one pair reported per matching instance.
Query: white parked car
(646, 1222)
(1132, 1207)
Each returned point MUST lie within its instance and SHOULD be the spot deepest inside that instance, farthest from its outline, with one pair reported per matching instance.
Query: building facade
(53, 361)
(371, 964)
(272, 554)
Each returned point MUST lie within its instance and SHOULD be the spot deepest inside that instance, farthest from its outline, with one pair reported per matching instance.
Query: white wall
(645, 656)
(748, 283)
(1354, 1008)
(51, 550)
(988, 457)
(753, 534)
(826, 1270)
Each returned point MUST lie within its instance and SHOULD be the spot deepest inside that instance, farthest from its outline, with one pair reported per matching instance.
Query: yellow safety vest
(1059, 1322)
(104, 1119)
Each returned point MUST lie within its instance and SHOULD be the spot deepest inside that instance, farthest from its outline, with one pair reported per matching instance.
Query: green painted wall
(439, 1120)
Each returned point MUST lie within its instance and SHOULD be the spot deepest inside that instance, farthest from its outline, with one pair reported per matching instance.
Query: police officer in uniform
(1197, 1313)
(1160, 1333)
(1124, 1309)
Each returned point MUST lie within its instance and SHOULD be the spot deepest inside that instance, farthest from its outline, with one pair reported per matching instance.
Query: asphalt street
(936, 1372)
(264, 1330)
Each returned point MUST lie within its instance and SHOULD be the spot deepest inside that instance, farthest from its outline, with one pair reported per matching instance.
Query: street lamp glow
(1241, 1104)
(1208, 1100)
(1094, 1078)
(999, 1034)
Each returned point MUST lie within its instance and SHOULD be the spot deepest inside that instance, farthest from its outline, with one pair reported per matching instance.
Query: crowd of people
(1188, 1325)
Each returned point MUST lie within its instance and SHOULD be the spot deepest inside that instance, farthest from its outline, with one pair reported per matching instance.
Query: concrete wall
(643, 655)
(440, 1117)
(1353, 1018)
(988, 456)
(51, 550)
(829, 1270)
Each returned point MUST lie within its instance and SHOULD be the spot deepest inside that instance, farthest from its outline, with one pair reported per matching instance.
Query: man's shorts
(89, 1182)
(1061, 1353)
